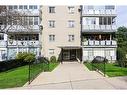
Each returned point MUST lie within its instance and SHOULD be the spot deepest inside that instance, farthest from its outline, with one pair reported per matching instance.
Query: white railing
(3, 43)
(99, 27)
(24, 43)
(98, 12)
(29, 28)
(99, 43)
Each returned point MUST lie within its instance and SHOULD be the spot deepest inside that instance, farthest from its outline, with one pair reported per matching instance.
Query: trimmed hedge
(10, 64)
(53, 59)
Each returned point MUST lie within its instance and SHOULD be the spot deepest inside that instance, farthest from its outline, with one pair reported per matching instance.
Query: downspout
(81, 32)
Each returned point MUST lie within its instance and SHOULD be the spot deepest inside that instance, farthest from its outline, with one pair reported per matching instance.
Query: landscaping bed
(111, 70)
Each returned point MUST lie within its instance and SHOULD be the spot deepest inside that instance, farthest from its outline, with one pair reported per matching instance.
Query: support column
(110, 37)
(61, 55)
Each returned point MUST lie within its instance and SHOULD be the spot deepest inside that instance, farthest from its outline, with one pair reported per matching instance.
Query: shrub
(43, 60)
(21, 55)
(86, 61)
(30, 58)
(53, 59)
(99, 59)
(121, 57)
(26, 57)
(10, 64)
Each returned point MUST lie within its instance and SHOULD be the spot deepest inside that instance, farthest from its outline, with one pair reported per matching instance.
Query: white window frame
(51, 9)
(36, 21)
(71, 9)
(15, 7)
(71, 38)
(51, 23)
(71, 23)
(51, 38)
(25, 7)
(51, 51)
(20, 7)
(1, 36)
(31, 22)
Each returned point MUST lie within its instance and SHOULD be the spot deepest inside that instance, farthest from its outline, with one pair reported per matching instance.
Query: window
(1, 36)
(10, 7)
(109, 20)
(35, 20)
(90, 21)
(71, 9)
(110, 7)
(90, 7)
(30, 20)
(20, 7)
(51, 9)
(51, 38)
(15, 21)
(71, 38)
(25, 6)
(30, 7)
(15, 7)
(51, 23)
(71, 23)
(35, 7)
(51, 51)
(113, 20)
(25, 20)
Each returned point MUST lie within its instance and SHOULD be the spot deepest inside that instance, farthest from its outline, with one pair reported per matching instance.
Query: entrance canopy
(70, 47)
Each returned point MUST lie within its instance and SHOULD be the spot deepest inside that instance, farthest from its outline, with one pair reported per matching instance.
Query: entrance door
(73, 55)
(69, 55)
(66, 55)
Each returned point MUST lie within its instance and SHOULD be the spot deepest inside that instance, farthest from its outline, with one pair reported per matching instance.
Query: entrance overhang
(70, 47)
(70, 53)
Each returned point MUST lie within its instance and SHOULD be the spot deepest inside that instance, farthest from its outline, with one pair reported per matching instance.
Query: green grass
(112, 70)
(14, 78)
(52, 66)
(19, 76)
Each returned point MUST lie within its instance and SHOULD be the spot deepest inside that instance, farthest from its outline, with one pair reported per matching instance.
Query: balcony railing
(99, 43)
(98, 12)
(3, 43)
(24, 43)
(98, 27)
(29, 28)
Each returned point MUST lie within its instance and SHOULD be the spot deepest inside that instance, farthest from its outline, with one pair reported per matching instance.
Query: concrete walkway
(73, 75)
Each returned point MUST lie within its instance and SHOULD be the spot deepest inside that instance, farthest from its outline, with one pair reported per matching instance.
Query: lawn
(14, 77)
(19, 76)
(112, 70)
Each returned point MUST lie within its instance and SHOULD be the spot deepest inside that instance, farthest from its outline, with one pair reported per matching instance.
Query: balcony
(24, 43)
(3, 43)
(99, 28)
(99, 13)
(22, 29)
(96, 43)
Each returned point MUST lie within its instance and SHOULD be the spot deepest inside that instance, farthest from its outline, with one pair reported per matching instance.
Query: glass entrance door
(66, 55)
(69, 55)
(73, 55)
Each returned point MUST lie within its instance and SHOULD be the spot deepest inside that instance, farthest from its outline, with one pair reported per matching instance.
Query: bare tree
(14, 20)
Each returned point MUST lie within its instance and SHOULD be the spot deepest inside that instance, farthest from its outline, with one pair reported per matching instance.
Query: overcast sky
(121, 15)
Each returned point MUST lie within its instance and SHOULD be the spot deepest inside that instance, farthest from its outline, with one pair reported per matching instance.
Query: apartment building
(98, 32)
(19, 38)
(61, 32)
(79, 32)
(69, 32)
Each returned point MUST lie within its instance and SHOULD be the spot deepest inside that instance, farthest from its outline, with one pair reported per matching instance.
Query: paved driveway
(73, 75)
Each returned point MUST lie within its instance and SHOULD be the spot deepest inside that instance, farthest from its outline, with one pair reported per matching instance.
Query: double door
(69, 55)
